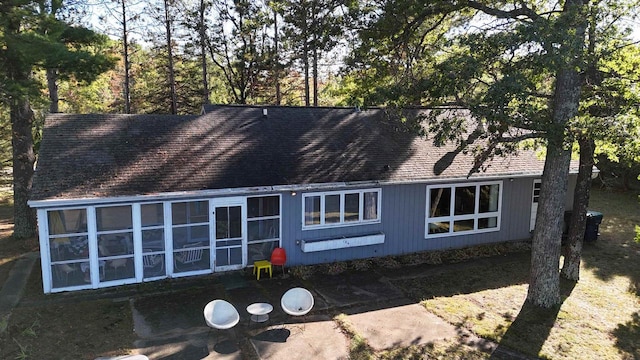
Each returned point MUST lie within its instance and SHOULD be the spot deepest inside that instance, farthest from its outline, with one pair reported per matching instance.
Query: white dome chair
(221, 315)
(297, 301)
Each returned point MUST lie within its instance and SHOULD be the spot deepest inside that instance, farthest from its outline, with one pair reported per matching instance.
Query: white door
(535, 197)
(229, 233)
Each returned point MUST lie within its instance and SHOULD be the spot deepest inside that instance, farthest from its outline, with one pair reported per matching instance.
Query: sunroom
(94, 246)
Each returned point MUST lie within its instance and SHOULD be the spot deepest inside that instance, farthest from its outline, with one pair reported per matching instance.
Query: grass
(598, 319)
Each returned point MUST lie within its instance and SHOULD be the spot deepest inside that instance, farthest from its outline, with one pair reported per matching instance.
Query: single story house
(126, 199)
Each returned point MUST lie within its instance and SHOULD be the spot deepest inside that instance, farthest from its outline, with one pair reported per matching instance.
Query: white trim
(342, 222)
(534, 204)
(271, 217)
(136, 219)
(168, 238)
(45, 250)
(92, 245)
(475, 216)
(228, 202)
(171, 196)
(341, 243)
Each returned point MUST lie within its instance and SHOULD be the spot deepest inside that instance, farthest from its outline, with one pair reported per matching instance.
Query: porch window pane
(153, 265)
(263, 229)
(465, 200)
(69, 248)
(235, 222)
(184, 236)
(152, 214)
(440, 202)
(263, 206)
(222, 223)
(312, 210)
(190, 212)
(115, 244)
(68, 274)
(332, 209)
(153, 239)
(351, 207)
(114, 218)
(261, 250)
(222, 257)
(191, 258)
(67, 221)
(371, 205)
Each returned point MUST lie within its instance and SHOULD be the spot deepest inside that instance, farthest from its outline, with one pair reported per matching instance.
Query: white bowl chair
(221, 315)
(297, 301)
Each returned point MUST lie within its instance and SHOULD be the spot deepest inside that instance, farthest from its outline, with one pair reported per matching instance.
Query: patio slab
(400, 326)
(319, 338)
(355, 289)
(207, 345)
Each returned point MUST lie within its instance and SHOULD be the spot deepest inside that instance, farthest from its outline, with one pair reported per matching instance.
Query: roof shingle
(85, 156)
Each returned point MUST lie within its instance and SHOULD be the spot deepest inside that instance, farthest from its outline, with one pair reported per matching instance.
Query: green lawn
(600, 315)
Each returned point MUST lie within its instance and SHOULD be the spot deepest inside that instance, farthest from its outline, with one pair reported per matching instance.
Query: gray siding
(403, 223)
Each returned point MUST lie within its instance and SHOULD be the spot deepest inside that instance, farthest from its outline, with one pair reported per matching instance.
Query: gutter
(187, 195)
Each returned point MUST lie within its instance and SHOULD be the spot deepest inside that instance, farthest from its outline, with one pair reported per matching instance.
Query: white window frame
(259, 218)
(342, 223)
(95, 255)
(451, 218)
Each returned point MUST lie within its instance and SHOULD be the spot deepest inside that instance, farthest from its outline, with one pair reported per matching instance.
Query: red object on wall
(279, 257)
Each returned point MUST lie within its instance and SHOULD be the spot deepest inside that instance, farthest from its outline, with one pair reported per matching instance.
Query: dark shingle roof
(236, 146)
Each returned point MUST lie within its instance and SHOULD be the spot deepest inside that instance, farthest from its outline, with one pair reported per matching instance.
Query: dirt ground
(41, 329)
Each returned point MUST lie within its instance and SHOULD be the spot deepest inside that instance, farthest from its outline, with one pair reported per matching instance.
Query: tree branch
(515, 14)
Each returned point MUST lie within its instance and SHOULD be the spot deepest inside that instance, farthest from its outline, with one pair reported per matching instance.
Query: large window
(152, 224)
(462, 209)
(115, 242)
(341, 208)
(69, 248)
(263, 226)
(190, 233)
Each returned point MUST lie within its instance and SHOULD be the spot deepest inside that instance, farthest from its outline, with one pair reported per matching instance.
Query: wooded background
(557, 75)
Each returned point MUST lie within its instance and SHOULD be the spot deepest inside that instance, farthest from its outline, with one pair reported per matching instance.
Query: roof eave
(182, 195)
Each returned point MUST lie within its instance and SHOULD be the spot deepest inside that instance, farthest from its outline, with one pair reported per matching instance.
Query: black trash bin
(594, 218)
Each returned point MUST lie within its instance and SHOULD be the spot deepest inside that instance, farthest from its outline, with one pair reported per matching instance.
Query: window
(152, 221)
(341, 208)
(190, 234)
(115, 242)
(263, 226)
(68, 246)
(462, 209)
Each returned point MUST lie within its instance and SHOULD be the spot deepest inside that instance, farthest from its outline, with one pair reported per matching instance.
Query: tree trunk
(127, 66)
(172, 76)
(315, 76)
(23, 160)
(276, 58)
(305, 59)
(544, 283)
(578, 221)
(52, 85)
(314, 48)
(203, 55)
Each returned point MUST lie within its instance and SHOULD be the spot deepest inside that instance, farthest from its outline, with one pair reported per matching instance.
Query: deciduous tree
(519, 67)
